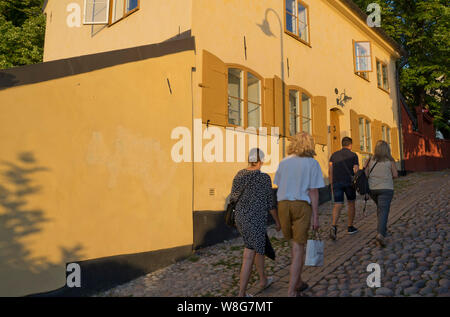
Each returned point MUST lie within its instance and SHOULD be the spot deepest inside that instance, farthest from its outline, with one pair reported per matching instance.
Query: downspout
(399, 110)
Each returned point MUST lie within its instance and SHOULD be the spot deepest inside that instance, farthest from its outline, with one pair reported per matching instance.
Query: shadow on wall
(20, 271)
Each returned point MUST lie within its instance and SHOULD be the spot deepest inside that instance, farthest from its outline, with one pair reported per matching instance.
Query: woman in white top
(381, 171)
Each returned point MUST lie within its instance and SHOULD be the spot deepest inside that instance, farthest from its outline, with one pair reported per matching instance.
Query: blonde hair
(302, 144)
(382, 152)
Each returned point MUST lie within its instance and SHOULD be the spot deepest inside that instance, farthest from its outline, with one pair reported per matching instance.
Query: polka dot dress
(252, 207)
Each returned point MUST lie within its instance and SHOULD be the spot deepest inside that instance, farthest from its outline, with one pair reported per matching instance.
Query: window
(237, 104)
(108, 11)
(386, 134)
(254, 101)
(122, 8)
(362, 54)
(294, 112)
(297, 20)
(235, 96)
(96, 11)
(365, 135)
(299, 113)
(382, 76)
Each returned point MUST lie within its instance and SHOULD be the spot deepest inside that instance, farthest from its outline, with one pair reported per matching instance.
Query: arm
(394, 170)
(330, 173)
(314, 196)
(274, 214)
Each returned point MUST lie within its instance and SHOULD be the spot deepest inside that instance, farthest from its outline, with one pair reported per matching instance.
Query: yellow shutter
(268, 106)
(376, 132)
(354, 127)
(278, 104)
(319, 120)
(394, 144)
(214, 90)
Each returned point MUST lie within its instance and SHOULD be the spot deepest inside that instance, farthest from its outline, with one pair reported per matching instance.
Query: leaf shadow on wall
(19, 268)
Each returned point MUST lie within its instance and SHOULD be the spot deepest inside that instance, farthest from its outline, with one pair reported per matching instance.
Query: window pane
(254, 115)
(234, 111)
(294, 124)
(303, 22)
(306, 114)
(96, 12)
(254, 91)
(291, 23)
(363, 56)
(388, 134)
(379, 73)
(369, 137)
(383, 133)
(235, 83)
(361, 135)
(290, 6)
(385, 78)
(131, 5)
(117, 10)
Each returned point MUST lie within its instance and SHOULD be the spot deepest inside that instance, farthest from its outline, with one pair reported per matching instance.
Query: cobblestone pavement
(415, 262)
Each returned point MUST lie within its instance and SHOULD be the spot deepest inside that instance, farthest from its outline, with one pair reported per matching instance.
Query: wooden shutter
(354, 128)
(214, 90)
(268, 106)
(319, 120)
(278, 104)
(394, 143)
(376, 132)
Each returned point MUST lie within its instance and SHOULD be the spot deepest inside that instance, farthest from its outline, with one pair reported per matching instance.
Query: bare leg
(296, 268)
(336, 212)
(259, 262)
(246, 270)
(351, 212)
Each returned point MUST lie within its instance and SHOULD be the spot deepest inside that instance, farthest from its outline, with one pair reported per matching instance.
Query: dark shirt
(343, 162)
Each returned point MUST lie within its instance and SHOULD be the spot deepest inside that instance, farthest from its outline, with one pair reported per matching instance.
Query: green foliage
(22, 29)
(422, 28)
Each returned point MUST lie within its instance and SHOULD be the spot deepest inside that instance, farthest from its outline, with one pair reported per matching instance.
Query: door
(335, 131)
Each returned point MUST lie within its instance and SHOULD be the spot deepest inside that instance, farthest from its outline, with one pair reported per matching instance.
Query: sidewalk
(416, 263)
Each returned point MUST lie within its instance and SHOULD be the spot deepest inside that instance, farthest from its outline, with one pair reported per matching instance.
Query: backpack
(360, 181)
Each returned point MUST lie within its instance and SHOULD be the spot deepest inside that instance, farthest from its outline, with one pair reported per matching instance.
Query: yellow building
(88, 136)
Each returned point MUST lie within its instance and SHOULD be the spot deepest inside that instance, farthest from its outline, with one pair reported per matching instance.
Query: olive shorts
(295, 219)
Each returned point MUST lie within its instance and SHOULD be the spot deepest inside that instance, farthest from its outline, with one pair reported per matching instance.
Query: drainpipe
(399, 110)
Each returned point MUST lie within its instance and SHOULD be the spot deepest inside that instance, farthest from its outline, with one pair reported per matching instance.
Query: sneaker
(380, 240)
(333, 232)
(352, 230)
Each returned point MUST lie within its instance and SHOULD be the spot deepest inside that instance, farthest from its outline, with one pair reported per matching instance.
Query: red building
(421, 150)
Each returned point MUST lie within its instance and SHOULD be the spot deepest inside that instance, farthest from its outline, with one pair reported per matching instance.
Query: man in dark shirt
(343, 165)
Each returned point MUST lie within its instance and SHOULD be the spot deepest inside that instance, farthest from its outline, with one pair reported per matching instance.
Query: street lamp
(265, 27)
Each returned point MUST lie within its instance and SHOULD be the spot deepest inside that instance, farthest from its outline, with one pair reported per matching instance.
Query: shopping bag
(314, 252)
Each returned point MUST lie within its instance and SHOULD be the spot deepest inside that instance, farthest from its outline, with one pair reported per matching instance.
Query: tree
(22, 29)
(422, 28)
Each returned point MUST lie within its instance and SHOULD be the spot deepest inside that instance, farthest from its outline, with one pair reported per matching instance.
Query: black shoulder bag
(231, 207)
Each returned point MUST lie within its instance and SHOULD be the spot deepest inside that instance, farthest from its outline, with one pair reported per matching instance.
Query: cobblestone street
(414, 263)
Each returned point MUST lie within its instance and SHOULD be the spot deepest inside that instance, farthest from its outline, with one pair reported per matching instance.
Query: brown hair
(302, 144)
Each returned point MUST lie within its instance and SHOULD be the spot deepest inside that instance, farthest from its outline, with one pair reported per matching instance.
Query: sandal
(268, 283)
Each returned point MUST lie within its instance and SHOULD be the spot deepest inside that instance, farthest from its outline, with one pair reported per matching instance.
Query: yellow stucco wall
(154, 22)
(320, 68)
(103, 182)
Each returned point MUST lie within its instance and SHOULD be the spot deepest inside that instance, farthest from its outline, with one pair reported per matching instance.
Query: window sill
(125, 16)
(297, 38)
(386, 91)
